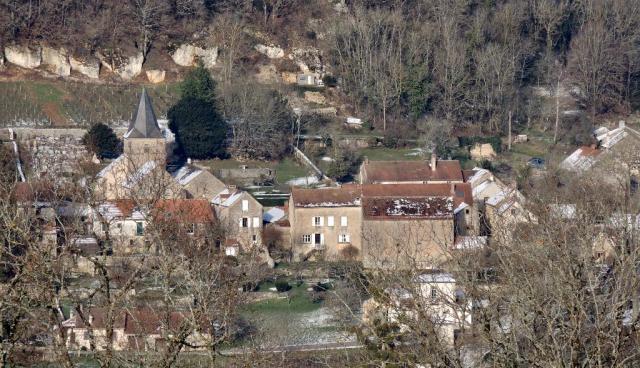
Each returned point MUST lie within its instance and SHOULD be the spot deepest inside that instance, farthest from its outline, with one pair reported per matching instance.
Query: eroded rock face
(308, 59)
(207, 56)
(131, 68)
(56, 61)
(89, 67)
(272, 52)
(24, 56)
(156, 76)
(187, 55)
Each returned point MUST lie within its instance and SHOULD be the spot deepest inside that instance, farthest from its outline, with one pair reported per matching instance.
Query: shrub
(102, 141)
(282, 286)
(329, 81)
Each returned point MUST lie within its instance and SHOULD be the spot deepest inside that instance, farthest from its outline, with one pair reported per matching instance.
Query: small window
(317, 239)
(245, 205)
(306, 239)
(317, 221)
(139, 229)
(466, 211)
(343, 221)
(256, 222)
(244, 222)
(119, 226)
(343, 238)
(254, 238)
(191, 228)
(434, 293)
(329, 220)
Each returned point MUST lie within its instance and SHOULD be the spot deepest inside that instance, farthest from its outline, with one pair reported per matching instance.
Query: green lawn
(389, 154)
(299, 301)
(288, 169)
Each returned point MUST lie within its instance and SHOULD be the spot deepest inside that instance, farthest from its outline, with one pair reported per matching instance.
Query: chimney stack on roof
(433, 163)
(621, 124)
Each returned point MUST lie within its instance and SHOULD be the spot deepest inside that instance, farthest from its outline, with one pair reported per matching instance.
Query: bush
(102, 141)
(282, 286)
(329, 81)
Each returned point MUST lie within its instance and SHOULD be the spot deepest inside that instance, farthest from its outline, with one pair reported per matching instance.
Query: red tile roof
(345, 196)
(412, 171)
(414, 200)
(185, 210)
(140, 321)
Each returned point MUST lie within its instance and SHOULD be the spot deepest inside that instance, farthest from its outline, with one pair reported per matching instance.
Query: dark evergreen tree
(102, 141)
(198, 84)
(200, 131)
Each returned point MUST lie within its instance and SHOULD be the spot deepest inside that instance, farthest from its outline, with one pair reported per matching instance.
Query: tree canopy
(200, 131)
(102, 141)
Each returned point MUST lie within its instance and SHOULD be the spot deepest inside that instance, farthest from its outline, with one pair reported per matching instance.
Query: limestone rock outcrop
(272, 52)
(156, 76)
(24, 56)
(187, 55)
(131, 67)
(56, 61)
(89, 67)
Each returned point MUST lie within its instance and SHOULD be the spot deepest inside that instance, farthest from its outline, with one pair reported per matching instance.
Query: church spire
(144, 123)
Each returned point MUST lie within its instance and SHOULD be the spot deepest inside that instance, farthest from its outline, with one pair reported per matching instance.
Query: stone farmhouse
(141, 329)
(402, 214)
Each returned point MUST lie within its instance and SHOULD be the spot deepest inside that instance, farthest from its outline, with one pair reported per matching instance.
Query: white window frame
(245, 205)
(318, 221)
(330, 221)
(256, 222)
(242, 222)
(306, 239)
(344, 238)
(343, 221)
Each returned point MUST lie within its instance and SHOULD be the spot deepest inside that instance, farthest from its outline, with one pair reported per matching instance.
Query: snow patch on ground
(308, 180)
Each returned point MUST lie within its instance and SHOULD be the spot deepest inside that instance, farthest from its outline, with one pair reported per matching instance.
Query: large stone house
(400, 225)
(413, 225)
(327, 220)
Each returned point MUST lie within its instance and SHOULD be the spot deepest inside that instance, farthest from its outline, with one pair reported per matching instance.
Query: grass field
(298, 301)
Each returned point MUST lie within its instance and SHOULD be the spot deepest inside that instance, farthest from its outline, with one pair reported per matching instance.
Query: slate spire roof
(144, 123)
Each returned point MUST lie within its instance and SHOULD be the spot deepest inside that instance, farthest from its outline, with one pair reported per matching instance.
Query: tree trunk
(555, 131)
(509, 130)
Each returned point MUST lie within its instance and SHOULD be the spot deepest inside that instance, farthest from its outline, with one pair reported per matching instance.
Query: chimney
(189, 161)
(433, 163)
(621, 124)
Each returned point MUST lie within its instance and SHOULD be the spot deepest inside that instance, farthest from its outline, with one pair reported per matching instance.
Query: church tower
(144, 141)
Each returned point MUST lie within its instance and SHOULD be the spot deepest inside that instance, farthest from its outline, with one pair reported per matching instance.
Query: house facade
(241, 215)
(328, 221)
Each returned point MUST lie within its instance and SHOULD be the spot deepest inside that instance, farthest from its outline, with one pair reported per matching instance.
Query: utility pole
(555, 131)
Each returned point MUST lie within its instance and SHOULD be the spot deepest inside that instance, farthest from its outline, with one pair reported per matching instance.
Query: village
(414, 218)
(327, 183)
